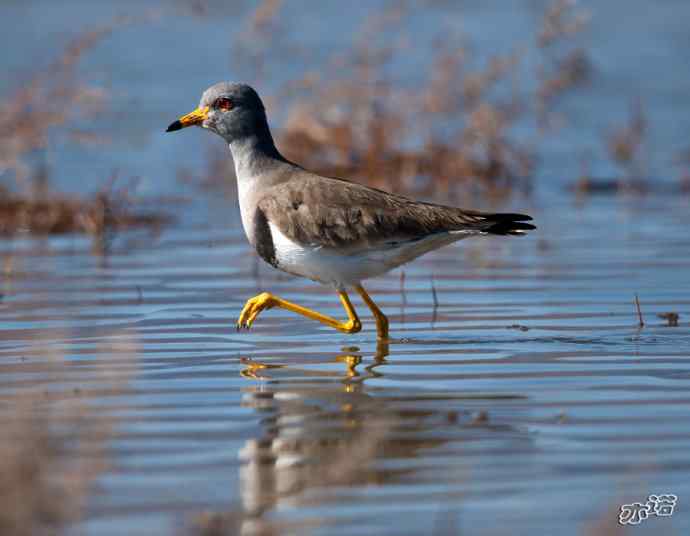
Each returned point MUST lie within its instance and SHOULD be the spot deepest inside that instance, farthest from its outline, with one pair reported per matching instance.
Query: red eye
(223, 103)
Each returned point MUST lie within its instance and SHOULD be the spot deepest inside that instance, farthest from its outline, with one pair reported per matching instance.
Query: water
(529, 388)
(525, 395)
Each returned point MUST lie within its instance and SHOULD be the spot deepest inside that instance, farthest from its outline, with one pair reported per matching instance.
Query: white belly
(341, 269)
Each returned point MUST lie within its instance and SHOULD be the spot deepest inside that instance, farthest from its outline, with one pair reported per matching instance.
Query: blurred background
(531, 93)
(536, 383)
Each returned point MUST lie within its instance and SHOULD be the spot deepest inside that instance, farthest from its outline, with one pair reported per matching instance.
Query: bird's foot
(253, 307)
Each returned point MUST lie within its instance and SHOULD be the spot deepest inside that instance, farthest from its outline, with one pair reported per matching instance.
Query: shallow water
(528, 397)
(518, 392)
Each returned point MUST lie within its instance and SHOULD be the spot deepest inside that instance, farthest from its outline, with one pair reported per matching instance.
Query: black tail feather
(508, 224)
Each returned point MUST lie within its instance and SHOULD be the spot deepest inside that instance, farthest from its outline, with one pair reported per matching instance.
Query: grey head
(231, 110)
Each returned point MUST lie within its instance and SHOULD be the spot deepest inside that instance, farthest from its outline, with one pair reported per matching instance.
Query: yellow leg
(266, 300)
(381, 320)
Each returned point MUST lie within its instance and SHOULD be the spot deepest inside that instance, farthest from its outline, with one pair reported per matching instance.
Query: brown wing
(320, 211)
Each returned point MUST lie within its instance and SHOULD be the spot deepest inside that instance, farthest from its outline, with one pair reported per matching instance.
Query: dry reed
(53, 446)
(452, 135)
(52, 99)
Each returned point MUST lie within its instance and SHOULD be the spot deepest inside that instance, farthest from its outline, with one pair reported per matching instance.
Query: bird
(331, 230)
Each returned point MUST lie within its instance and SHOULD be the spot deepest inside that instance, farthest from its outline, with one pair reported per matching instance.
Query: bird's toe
(253, 307)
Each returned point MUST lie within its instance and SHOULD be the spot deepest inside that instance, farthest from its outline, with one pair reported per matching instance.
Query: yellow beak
(193, 118)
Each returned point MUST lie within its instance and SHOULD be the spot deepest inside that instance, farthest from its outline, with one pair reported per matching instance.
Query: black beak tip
(175, 125)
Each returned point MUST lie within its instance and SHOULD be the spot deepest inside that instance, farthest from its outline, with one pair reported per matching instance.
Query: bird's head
(233, 111)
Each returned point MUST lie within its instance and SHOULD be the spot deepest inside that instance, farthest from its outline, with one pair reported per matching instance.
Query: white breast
(246, 188)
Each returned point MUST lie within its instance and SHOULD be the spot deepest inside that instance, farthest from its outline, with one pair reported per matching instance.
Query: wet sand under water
(526, 398)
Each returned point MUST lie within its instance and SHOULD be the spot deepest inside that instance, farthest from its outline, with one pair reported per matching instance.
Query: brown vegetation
(100, 215)
(367, 122)
(47, 465)
(671, 318)
(51, 99)
(565, 65)
(639, 311)
(625, 145)
(626, 142)
(453, 134)
(52, 448)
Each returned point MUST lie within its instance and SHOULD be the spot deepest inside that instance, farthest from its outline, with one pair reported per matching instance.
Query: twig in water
(402, 287)
(435, 298)
(639, 311)
(404, 297)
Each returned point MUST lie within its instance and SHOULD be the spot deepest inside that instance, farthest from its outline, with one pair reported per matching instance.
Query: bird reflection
(327, 433)
(322, 430)
(350, 357)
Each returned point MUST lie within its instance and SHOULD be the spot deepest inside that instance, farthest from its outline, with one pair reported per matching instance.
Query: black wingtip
(510, 224)
(514, 217)
(175, 125)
